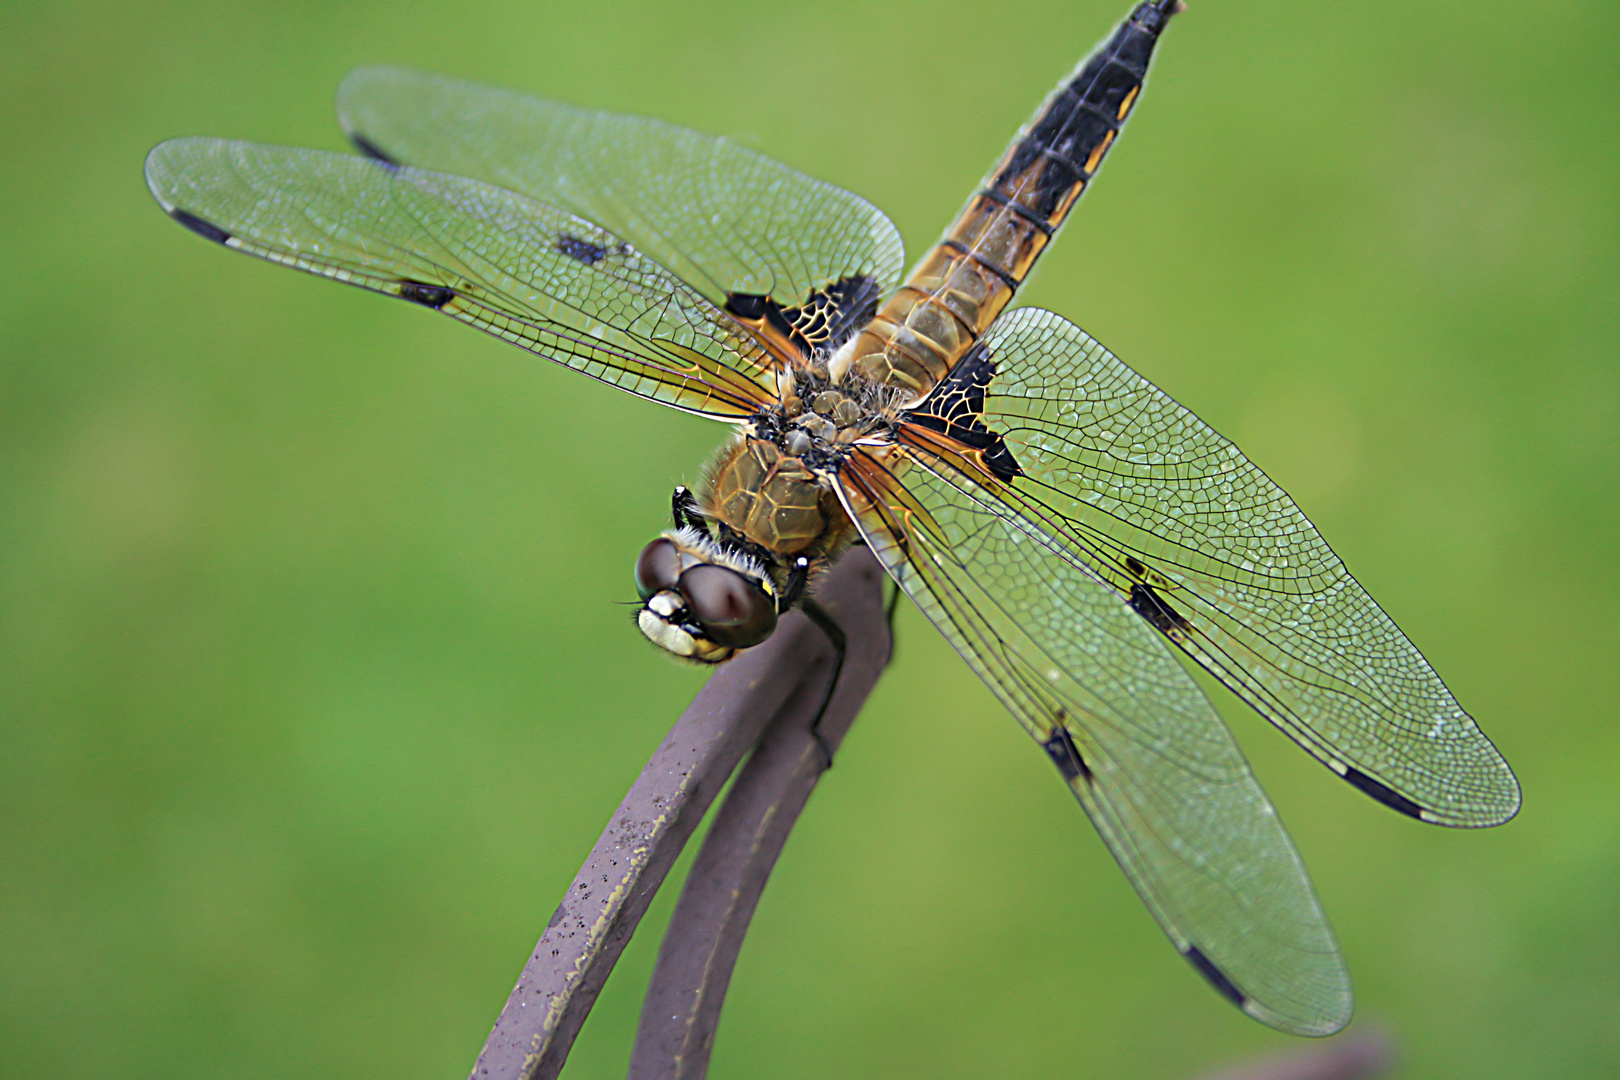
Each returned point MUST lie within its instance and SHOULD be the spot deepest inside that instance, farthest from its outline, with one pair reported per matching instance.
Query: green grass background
(314, 691)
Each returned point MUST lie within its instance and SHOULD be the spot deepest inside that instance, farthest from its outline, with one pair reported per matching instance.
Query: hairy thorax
(773, 485)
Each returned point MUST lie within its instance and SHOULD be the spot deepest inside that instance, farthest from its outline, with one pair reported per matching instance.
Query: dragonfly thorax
(765, 521)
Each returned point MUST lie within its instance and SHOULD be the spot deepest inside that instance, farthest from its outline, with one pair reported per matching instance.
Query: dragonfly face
(1071, 530)
(701, 601)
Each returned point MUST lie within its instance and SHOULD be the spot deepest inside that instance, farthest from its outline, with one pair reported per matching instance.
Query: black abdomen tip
(1160, 10)
(205, 229)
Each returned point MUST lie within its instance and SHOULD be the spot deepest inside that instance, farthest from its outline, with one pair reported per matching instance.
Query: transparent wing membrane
(1174, 517)
(720, 216)
(537, 276)
(1133, 735)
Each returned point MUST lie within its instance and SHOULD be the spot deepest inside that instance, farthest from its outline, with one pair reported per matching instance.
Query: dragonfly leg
(685, 507)
(793, 589)
(835, 634)
(888, 615)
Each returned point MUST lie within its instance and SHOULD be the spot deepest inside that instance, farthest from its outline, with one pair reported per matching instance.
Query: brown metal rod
(608, 897)
(705, 934)
(1357, 1055)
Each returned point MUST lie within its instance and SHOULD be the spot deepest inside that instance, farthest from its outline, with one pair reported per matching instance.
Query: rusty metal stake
(682, 1007)
(774, 687)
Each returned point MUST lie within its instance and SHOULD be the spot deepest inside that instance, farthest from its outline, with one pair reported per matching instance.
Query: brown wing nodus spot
(1147, 602)
(420, 292)
(1064, 754)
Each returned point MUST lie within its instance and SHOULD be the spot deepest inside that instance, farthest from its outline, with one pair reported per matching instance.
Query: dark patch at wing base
(827, 318)
(752, 306)
(1388, 796)
(1066, 756)
(1217, 978)
(581, 250)
(373, 151)
(205, 229)
(956, 409)
(433, 296)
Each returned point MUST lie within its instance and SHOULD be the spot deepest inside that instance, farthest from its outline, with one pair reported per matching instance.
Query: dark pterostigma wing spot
(956, 408)
(1066, 756)
(1389, 797)
(373, 151)
(205, 229)
(433, 296)
(1217, 978)
(580, 250)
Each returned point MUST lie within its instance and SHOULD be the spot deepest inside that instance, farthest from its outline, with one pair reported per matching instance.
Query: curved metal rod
(585, 937)
(688, 988)
(1354, 1055)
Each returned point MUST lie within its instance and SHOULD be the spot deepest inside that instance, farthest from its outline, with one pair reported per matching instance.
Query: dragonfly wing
(531, 274)
(1174, 516)
(1131, 732)
(724, 218)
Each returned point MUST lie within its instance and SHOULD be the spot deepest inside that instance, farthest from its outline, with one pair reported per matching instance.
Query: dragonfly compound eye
(658, 567)
(732, 610)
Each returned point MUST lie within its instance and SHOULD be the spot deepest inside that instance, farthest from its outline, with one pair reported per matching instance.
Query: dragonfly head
(700, 601)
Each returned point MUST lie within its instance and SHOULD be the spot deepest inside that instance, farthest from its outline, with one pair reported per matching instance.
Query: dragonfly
(1082, 540)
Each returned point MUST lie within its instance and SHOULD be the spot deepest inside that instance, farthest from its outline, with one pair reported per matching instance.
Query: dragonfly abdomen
(959, 288)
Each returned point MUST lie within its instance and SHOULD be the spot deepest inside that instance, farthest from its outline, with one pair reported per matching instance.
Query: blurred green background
(313, 687)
